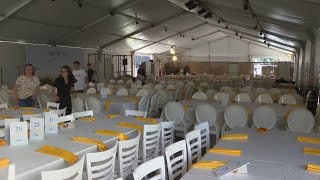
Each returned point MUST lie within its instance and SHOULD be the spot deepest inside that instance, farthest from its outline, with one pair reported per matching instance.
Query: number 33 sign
(37, 128)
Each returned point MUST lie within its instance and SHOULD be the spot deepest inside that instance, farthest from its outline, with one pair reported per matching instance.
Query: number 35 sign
(18, 133)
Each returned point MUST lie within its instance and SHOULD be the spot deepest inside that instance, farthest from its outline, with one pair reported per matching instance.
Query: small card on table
(51, 123)
(7, 128)
(239, 166)
(18, 133)
(37, 128)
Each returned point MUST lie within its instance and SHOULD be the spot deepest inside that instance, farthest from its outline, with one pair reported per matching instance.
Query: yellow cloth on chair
(208, 164)
(149, 120)
(120, 135)
(4, 162)
(2, 142)
(111, 116)
(313, 151)
(58, 152)
(313, 167)
(231, 152)
(308, 139)
(107, 105)
(130, 125)
(100, 144)
(89, 119)
(237, 137)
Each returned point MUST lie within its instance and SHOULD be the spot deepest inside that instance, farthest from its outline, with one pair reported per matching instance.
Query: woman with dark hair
(63, 85)
(27, 88)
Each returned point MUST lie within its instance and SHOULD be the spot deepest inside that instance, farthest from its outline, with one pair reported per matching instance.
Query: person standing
(81, 77)
(141, 74)
(63, 85)
(27, 88)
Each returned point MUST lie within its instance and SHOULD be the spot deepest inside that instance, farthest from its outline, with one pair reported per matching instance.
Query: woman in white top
(27, 88)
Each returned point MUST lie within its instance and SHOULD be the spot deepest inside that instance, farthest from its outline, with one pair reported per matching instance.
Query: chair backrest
(174, 112)
(287, 99)
(193, 140)
(78, 115)
(205, 135)
(91, 90)
(235, 116)
(225, 88)
(210, 93)
(129, 81)
(120, 81)
(167, 134)
(200, 95)
(188, 92)
(170, 87)
(142, 92)
(180, 83)
(128, 156)
(100, 85)
(176, 158)
(42, 99)
(206, 113)
(134, 113)
(74, 172)
(77, 105)
(11, 171)
(145, 170)
(94, 104)
(190, 83)
(100, 165)
(220, 96)
(144, 104)
(264, 98)
(300, 120)
(154, 103)
(26, 117)
(260, 90)
(307, 98)
(275, 91)
(66, 118)
(133, 91)
(158, 87)
(264, 117)
(112, 81)
(4, 106)
(150, 141)
(178, 95)
(242, 97)
(52, 105)
(122, 92)
(60, 112)
(204, 84)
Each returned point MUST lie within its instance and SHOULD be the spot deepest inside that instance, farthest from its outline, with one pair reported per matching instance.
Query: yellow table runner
(313, 167)
(101, 146)
(130, 125)
(3, 117)
(262, 130)
(313, 151)
(4, 162)
(231, 152)
(2, 143)
(89, 119)
(236, 137)
(120, 135)
(111, 116)
(208, 164)
(308, 139)
(107, 105)
(28, 113)
(58, 152)
(26, 108)
(148, 120)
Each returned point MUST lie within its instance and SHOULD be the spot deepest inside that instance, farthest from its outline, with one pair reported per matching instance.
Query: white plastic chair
(190, 83)
(207, 113)
(26, 117)
(52, 105)
(11, 171)
(142, 92)
(193, 140)
(78, 115)
(170, 87)
(42, 100)
(221, 97)
(129, 81)
(176, 158)
(91, 84)
(144, 104)
(100, 165)
(300, 120)
(204, 84)
(120, 81)
(74, 172)
(175, 112)
(122, 92)
(188, 92)
(242, 97)
(135, 113)
(133, 91)
(91, 91)
(100, 85)
(260, 90)
(154, 106)
(158, 87)
(4, 106)
(235, 117)
(145, 170)
(200, 96)
(180, 83)
(150, 142)
(167, 135)
(112, 81)
(127, 157)
(287, 99)
(210, 93)
(60, 112)
(67, 118)
(205, 136)
(225, 88)
(264, 117)
(94, 104)
(264, 98)
(77, 105)
(178, 94)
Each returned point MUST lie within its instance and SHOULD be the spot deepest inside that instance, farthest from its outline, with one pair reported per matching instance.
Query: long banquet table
(272, 155)
(30, 163)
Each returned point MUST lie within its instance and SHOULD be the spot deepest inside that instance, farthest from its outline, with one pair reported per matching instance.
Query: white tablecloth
(274, 155)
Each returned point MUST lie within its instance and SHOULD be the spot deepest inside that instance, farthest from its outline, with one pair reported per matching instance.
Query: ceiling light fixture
(227, 27)
(201, 11)
(80, 4)
(256, 27)
(174, 58)
(265, 41)
(137, 22)
(245, 6)
(237, 34)
(240, 37)
(165, 29)
(219, 21)
(208, 15)
(191, 4)
(193, 39)
(261, 32)
(268, 44)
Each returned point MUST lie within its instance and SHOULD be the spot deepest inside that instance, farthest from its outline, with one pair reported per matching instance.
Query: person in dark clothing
(63, 85)
(141, 74)
(186, 70)
(90, 73)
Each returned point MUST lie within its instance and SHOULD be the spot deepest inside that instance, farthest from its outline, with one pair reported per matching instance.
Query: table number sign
(37, 128)
(238, 166)
(51, 123)
(7, 128)
(103, 92)
(18, 133)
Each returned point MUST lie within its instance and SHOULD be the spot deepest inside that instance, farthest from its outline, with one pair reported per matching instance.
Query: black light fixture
(261, 33)
(240, 37)
(208, 15)
(165, 29)
(183, 35)
(265, 38)
(80, 4)
(227, 27)
(193, 39)
(245, 6)
(201, 11)
(191, 4)
(237, 34)
(219, 21)
(256, 27)
(265, 41)
(137, 22)
(268, 44)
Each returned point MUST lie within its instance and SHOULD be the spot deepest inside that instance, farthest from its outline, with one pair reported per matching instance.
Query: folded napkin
(295, 105)
(231, 152)
(26, 108)
(313, 167)
(4, 162)
(101, 146)
(308, 139)
(262, 130)
(120, 135)
(148, 120)
(111, 116)
(45, 110)
(89, 119)
(313, 151)
(2, 142)
(3, 116)
(28, 113)
(236, 137)
(130, 125)
(58, 152)
(208, 164)
(107, 105)
(14, 108)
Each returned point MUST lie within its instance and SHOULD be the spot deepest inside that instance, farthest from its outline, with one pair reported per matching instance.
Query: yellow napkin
(14, 108)
(208, 164)
(313, 167)
(45, 110)
(58, 152)
(4, 162)
(237, 137)
(148, 120)
(101, 146)
(130, 125)
(3, 116)
(111, 116)
(107, 105)
(296, 105)
(2, 142)
(89, 119)
(26, 108)
(120, 135)
(262, 130)
(28, 113)
(308, 139)
(313, 151)
(231, 152)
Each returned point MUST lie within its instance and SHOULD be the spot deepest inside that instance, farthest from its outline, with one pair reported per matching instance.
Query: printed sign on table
(18, 133)
(37, 128)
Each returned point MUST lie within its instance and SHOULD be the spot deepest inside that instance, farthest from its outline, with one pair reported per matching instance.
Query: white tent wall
(317, 59)
(307, 62)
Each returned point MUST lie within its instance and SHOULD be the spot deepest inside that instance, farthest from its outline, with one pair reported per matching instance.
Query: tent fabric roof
(112, 24)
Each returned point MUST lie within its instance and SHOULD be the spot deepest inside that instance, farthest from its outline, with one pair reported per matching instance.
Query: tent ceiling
(111, 24)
